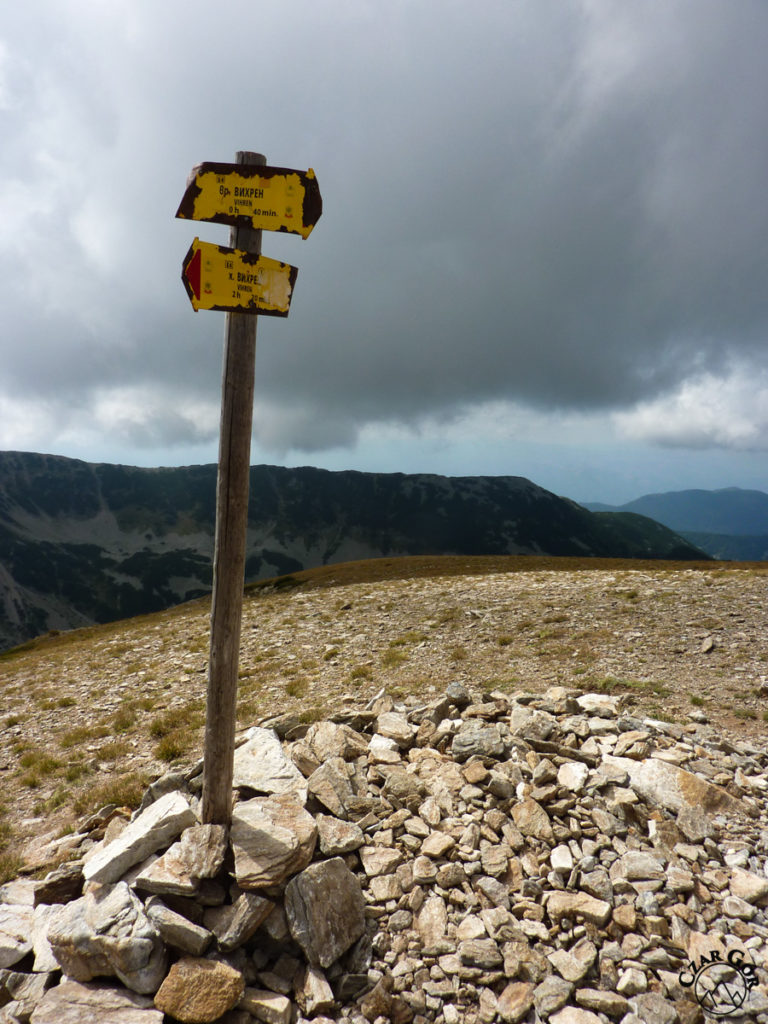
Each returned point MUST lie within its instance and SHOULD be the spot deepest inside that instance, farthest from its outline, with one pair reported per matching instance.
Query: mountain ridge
(730, 523)
(93, 542)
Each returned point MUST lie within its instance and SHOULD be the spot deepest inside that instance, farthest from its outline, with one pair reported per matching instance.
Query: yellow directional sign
(261, 197)
(233, 281)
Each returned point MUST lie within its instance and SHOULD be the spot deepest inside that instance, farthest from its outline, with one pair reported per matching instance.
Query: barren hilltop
(91, 716)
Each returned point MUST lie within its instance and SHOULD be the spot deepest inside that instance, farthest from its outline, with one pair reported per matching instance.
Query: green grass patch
(125, 791)
(81, 734)
(393, 657)
(297, 688)
(10, 866)
(173, 746)
(124, 720)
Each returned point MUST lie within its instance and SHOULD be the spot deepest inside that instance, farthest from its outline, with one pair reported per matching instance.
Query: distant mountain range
(731, 523)
(83, 543)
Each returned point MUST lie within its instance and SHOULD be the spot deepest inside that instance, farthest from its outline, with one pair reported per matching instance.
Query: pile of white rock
(461, 859)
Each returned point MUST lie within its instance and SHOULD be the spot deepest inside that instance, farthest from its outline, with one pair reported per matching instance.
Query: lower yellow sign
(233, 281)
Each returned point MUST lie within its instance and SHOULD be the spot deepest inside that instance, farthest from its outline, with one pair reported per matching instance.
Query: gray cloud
(556, 204)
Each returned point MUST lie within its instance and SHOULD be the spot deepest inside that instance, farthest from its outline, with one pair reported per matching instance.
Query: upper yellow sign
(261, 197)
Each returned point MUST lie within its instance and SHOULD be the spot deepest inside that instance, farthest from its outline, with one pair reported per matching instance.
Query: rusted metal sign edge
(222, 179)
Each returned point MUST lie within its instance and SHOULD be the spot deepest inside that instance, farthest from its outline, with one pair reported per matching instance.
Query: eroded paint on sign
(233, 281)
(261, 197)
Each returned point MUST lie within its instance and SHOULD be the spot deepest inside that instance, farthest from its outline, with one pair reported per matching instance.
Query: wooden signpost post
(249, 196)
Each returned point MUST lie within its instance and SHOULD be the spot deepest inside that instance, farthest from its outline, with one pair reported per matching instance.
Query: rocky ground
(469, 857)
(93, 716)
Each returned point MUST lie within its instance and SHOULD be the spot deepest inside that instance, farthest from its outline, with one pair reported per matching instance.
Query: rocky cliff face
(83, 543)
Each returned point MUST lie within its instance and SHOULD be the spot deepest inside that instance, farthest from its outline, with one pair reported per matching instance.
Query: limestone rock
(515, 1001)
(331, 739)
(337, 836)
(574, 1015)
(601, 704)
(574, 964)
(431, 921)
(579, 905)
(314, 994)
(168, 875)
(379, 860)
(551, 995)
(573, 775)
(199, 991)
(331, 785)
(176, 930)
(203, 849)
(748, 886)
(394, 726)
(601, 1001)
(324, 906)
(41, 947)
(234, 924)
(74, 1003)
(266, 1006)
(480, 953)
(152, 830)
(272, 838)
(15, 933)
(474, 738)
(108, 933)
(532, 820)
(437, 844)
(262, 765)
(637, 864)
(531, 724)
(666, 785)
(653, 1008)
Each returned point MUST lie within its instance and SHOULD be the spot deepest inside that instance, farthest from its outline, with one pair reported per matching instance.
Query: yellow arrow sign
(261, 197)
(233, 281)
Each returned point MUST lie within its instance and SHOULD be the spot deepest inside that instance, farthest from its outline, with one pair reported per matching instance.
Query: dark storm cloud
(560, 204)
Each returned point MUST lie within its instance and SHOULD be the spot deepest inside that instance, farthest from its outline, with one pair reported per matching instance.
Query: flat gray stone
(333, 739)
(74, 1003)
(482, 953)
(272, 838)
(515, 1001)
(234, 924)
(331, 785)
(324, 906)
(579, 905)
(153, 829)
(532, 820)
(108, 933)
(15, 933)
(176, 930)
(551, 995)
(653, 1008)
(261, 764)
(431, 922)
(44, 959)
(574, 1015)
(270, 1007)
(336, 836)
(475, 738)
(666, 785)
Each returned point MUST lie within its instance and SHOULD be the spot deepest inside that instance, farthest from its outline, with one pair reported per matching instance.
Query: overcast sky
(543, 249)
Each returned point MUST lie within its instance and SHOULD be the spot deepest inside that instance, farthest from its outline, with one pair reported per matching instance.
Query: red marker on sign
(192, 272)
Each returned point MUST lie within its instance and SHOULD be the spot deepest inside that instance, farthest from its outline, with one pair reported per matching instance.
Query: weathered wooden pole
(230, 543)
